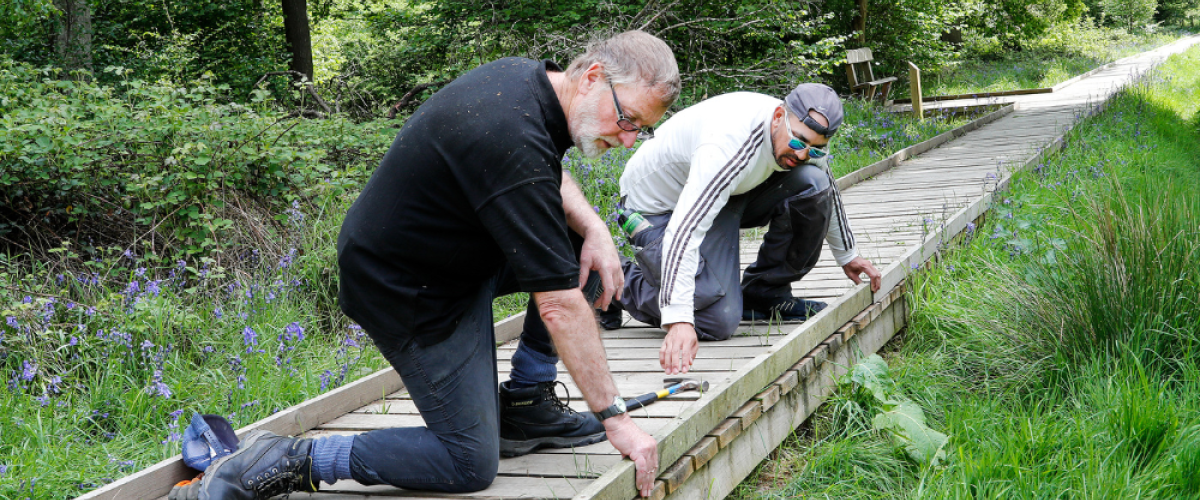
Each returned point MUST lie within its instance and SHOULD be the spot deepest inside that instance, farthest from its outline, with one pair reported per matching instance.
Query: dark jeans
(796, 205)
(454, 385)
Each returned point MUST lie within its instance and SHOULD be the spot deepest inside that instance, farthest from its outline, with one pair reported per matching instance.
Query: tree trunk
(860, 23)
(295, 25)
(73, 41)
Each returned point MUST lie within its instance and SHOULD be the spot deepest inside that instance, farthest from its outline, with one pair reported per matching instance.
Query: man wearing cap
(735, 161)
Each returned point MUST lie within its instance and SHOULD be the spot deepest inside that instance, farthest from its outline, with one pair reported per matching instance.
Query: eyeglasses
(644, 133)
(797, 143)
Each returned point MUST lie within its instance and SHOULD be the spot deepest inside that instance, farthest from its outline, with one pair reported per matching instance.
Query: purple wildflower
(140, 272)
(250, 337)
(3, 469)
(294, 331)
(12, 321)
(325, 377)
(217, 313)
(73, 342)
(157, 387)
(28, 370)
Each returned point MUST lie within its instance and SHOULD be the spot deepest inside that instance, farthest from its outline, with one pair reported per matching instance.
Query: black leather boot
(264, 465)
(534, 417)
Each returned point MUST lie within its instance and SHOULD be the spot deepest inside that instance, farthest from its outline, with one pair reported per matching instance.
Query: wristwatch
(617, 408)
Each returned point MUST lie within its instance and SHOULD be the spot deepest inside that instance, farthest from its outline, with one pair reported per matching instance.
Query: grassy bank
(1056, 57)
(1058, 347)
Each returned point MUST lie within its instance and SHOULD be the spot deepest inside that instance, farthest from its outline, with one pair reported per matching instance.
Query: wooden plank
(704, 451)
(667, 408)
(748, 413)
(726, 432)
(503, 487)
(676, 474)
(768, 397)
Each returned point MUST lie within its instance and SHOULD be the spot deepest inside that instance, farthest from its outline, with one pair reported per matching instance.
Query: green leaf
(872, 373)
(904, 422)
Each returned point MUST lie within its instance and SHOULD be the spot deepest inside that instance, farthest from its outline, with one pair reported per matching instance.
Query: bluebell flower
(249, 336)
(294, 331)
(11, 321)
(157, 387)
(28, 370)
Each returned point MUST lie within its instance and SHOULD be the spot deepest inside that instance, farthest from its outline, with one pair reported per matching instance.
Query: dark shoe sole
(515, 448)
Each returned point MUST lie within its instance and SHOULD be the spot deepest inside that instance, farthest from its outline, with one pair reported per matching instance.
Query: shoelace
(285, 482)
(552, 395)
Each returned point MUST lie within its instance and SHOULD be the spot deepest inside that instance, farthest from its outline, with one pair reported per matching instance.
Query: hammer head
(686, 384)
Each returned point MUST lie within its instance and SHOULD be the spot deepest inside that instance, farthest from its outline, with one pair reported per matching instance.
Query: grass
(1057, 347)
(1061, 54)
(105, 359)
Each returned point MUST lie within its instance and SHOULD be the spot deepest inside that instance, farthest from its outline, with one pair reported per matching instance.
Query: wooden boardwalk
(768, 378)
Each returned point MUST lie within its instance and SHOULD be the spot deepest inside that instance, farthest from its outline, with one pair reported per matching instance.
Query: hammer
(671, 385)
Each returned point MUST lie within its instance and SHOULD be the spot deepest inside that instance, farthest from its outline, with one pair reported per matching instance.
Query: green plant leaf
(872, 373)
(904, 422)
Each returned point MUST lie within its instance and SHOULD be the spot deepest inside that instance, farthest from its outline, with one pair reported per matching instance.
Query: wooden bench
(862, 78)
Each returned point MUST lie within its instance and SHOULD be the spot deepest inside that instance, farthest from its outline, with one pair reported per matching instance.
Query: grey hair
(633, 57)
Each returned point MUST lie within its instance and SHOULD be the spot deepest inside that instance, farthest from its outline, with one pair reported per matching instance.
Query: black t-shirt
(471, 183)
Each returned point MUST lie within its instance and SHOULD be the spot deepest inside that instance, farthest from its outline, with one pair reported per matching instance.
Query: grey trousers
(796, 205)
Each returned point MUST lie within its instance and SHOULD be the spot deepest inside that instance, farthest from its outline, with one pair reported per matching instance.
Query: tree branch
(411, 95)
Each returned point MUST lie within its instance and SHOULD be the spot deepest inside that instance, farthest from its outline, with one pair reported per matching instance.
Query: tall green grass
(1057, 348)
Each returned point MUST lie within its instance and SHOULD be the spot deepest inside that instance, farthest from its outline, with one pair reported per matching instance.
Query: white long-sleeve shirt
(698, 159)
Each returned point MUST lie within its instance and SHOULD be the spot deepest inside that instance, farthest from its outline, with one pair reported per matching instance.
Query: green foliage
(902, 30)
(78, 157)
(898, 417)
(764, 45)
(1010, 22)
(237, 40)
(1131, 14)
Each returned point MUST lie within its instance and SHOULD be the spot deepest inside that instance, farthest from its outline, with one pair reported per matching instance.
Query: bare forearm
(569, 319)
(581, 218)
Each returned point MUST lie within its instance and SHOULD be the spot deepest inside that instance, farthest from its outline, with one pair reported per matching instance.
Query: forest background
(173, 174)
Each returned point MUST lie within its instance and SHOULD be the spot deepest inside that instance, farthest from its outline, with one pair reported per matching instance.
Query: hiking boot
(783, 308)
(534, 417)
(610, 319)
(264, 465)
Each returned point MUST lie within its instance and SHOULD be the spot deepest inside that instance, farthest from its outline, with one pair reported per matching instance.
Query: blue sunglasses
(798, 144)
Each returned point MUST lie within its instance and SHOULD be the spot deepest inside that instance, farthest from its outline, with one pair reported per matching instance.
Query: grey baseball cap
(819, 98)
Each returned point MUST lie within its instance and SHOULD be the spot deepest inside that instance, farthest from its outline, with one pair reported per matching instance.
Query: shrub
(1131, 14)
(81, 160)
